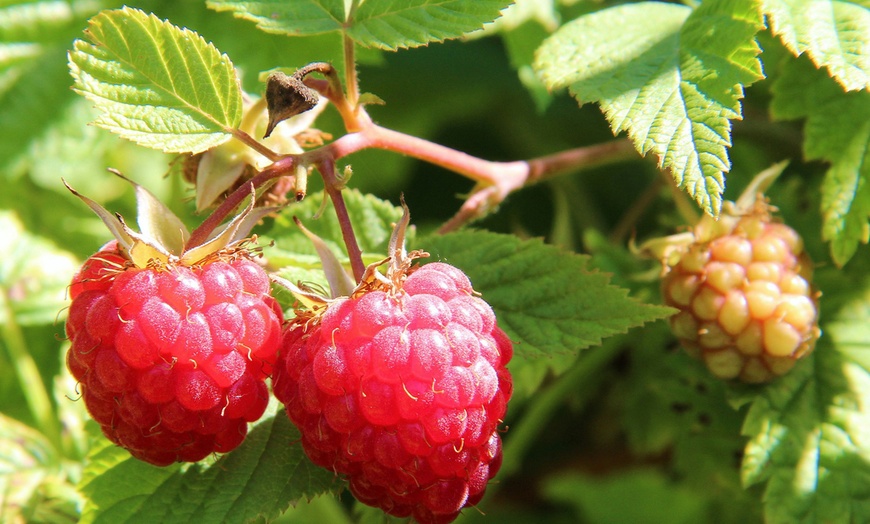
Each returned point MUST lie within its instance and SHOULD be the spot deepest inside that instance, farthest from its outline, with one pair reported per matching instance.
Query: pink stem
(201, 233)
(496, 180)
(333, 189)
(251, 142)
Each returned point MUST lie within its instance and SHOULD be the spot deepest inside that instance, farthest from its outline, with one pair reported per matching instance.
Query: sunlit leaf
(389, 25)
(292, 17)
(670, 76)
(156, 84)
(837, 131)
(260, 478)
(381, 24)
(833, 33)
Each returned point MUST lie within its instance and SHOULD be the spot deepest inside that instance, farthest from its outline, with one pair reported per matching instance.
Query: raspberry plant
(294, 129)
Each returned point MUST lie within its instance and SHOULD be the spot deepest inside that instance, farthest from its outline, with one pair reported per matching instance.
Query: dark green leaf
(545, 299)
(261, 478)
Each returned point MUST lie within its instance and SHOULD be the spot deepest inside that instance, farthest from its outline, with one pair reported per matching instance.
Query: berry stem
(254, 144)
(279, 168)
(351, 81)
(35, 393)
(333, 188)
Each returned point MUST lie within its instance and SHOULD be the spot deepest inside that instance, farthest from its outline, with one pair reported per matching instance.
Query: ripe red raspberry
(172, 359)
(401, 388)
(743, 290)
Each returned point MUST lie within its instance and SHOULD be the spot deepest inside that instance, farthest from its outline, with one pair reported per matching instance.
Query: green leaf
(292, 17)
(808, 431)
(837, 130)
(670, 76)
(386, 24)
(673, 406)
(833, 33)
(372, 218)
(382, 24)
(34, 275)
(156, 84)
(665, 394)
(545, 299)
(653, 497)
(260, 478)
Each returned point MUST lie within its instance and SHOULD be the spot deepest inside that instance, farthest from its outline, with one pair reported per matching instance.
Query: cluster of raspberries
(400, 387)
(400, 391)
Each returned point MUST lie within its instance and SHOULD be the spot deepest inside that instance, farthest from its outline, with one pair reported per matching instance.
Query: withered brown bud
(287, 96)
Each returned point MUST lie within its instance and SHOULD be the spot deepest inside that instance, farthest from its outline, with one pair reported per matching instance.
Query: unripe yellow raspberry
(747, 308)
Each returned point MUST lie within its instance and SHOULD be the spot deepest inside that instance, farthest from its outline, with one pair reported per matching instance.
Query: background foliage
(712, 91)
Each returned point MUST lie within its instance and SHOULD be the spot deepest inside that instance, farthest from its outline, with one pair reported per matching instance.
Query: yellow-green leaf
(156, 84)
